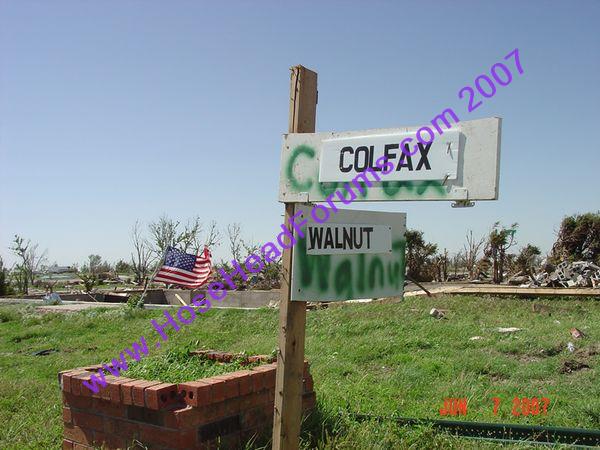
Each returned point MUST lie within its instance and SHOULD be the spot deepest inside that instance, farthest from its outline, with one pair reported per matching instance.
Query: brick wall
(223, 411)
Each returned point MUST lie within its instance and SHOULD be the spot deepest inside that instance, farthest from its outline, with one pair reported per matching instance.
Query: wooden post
(292, 315)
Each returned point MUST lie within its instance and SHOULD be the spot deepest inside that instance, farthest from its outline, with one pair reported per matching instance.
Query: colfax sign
(355, 254)
(344, 158)
(462, 164)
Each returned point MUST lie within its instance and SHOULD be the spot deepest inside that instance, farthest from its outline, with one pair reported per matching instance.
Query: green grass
(385, 360)
(177, 366)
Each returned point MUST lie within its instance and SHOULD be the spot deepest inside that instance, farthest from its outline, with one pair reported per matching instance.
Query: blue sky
(112, 111)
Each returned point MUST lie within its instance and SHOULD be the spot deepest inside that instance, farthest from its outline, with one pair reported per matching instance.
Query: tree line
(490, 256)
(484, 257)
(148, 245)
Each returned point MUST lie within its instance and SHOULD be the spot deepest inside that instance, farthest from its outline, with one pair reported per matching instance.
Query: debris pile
(576, 274)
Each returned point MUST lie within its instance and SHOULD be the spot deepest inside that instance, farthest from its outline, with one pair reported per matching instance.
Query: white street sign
(331, 262)
(462, 163)
(345, 239)
(343, 158)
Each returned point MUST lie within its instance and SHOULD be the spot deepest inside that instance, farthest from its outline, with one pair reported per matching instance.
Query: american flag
(183, 269)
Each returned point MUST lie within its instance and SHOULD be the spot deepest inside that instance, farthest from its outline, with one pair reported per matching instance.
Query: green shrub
(8, 315)
(135, 301)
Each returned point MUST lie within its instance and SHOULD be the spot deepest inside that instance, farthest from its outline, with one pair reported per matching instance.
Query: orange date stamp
(521, 406)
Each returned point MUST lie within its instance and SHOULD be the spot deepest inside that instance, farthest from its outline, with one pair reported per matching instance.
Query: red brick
(75, 382)
(67, 418)
(252, 418)
(107, 408)
(222, 356)
(196, 393)
(309, 401)
(76, 401)
(232, 385)
(161, 395)
(263, 379)
(114, 389)
(77, 434)
(306, 370)
(122, 428)
(258, 380)
(138, 392)
(270, 379)
(189, 417)
(127, 391)
(308, 384)
(67, 445)
(245, 381)
(105, 392)
(78, 388)
(268, 371)
(232, 406)
(86, 420)
(184, 439)
(66, 377)
(252, 400)
(217, 389)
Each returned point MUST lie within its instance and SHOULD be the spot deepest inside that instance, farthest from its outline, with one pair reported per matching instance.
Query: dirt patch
(528, 358)
(592, 350)
(552, 351)
(571, 365)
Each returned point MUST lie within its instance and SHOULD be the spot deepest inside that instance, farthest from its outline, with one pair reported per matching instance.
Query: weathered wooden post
(292, 315)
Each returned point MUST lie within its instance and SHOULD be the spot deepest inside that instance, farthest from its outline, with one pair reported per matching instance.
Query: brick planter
(223, 411)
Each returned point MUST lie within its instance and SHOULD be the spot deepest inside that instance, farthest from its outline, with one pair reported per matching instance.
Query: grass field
(379, 359)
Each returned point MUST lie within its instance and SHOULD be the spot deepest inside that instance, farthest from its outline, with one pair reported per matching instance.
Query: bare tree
(458, 260)
(472, 249)
(166, 232)
(270, 274)
(141, 258)
(31, 260)
(213, 236)
(236, 242)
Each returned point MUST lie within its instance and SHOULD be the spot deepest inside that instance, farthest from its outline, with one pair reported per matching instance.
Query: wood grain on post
(292, 315)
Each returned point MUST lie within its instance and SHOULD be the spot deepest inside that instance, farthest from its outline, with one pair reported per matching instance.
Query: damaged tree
(419, 256)
(472, 249)
(578, 239)
(30, 262)
(141, 258)
(527, 260)
(499, 241)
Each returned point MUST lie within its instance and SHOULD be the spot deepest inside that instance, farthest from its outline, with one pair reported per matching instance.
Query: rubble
(576, 274)
(52, 299)
(436, 313)
(509, 329)
(577, 334)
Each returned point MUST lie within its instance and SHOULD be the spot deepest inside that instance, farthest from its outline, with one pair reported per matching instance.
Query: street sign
(355, 254)
(347, 239)
(342, 158)
(462, 163)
